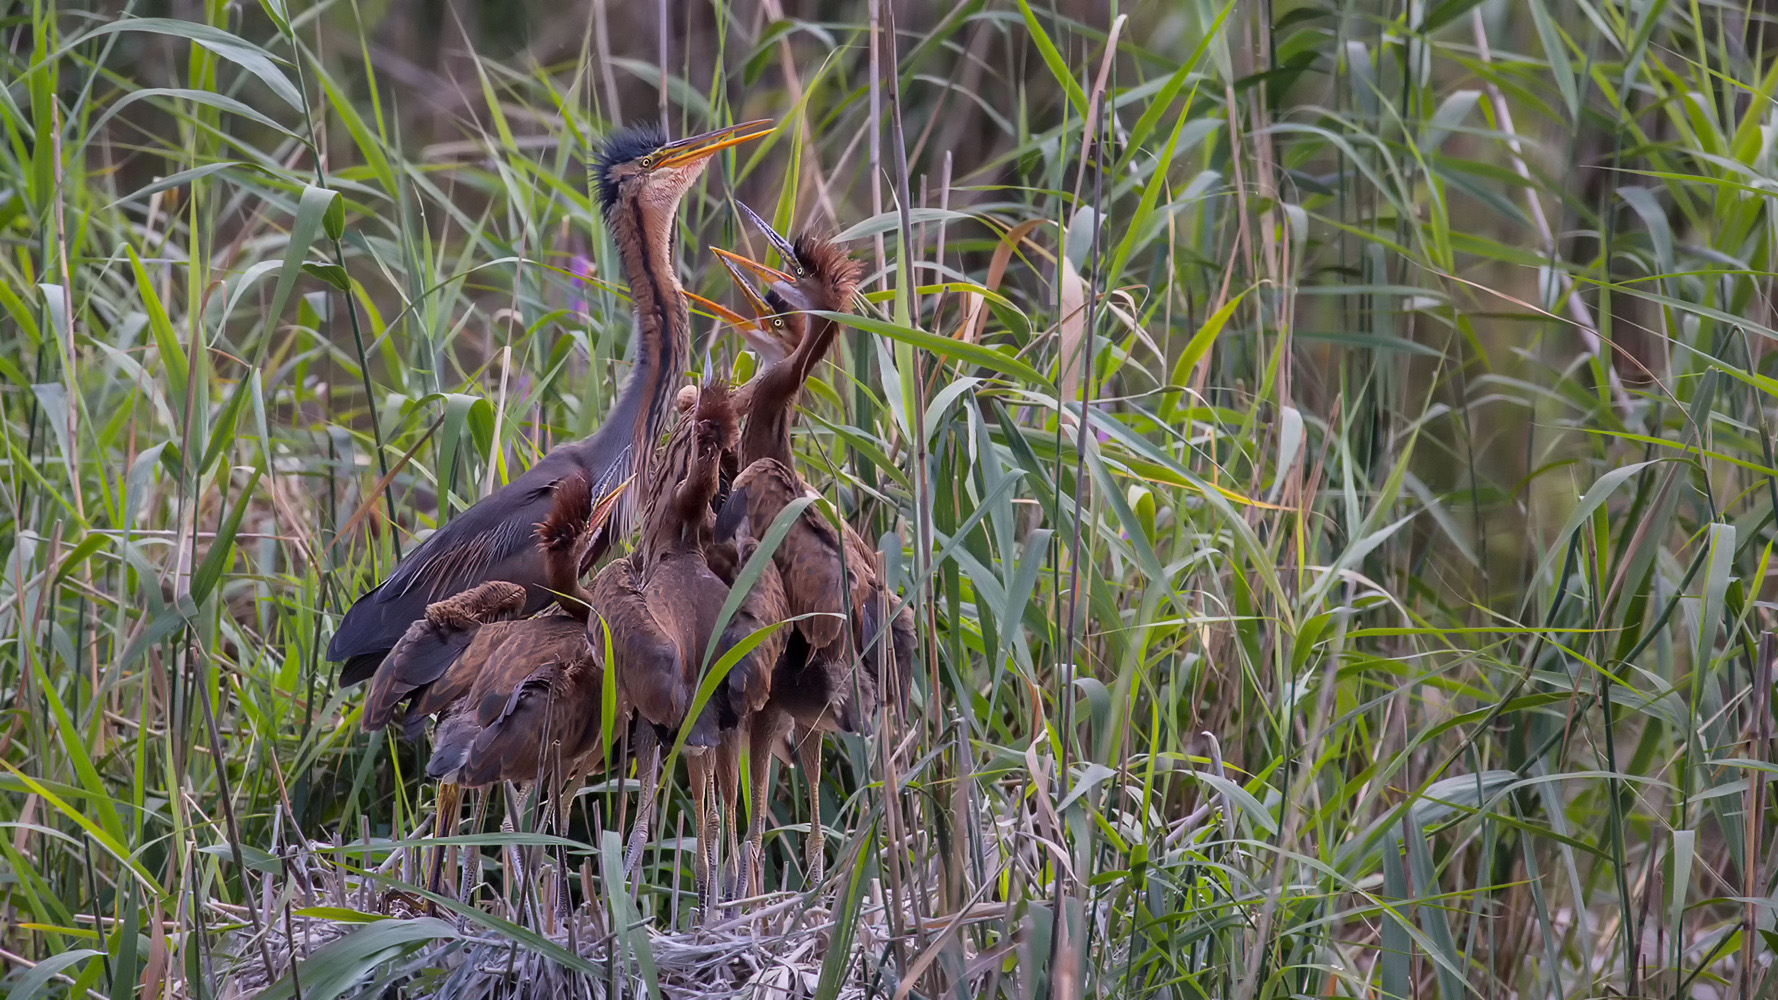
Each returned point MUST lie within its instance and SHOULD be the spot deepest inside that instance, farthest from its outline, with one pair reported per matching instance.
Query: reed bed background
(1327, 446)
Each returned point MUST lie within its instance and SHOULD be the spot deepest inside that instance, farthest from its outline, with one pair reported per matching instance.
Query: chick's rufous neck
(777, 389)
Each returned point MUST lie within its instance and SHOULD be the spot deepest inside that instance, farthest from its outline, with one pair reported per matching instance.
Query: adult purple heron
(641, 179)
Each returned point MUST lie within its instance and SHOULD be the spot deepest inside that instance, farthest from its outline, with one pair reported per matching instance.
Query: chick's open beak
(736, 263)
(785, 250)
(717, 309)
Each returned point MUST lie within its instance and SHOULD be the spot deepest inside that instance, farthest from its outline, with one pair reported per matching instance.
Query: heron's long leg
(766, 731)
(728, 788)
(517, 877)
(472, 858)
(648, 769)
(808, 755)
(450, 797)
(702, 765)
(564, 801)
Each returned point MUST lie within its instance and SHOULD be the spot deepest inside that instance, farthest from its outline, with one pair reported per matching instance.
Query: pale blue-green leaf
(1078, 242)
(1556, 57)
(1718, 567)
(1452, 112)
(1685, 844)
(235, 49)
(52, 397)
(203, 97)
(1290, 447)
(35, 982)
(334, 968)
(1244, 802)
(179, 179)
(943, 400)
(310, 211)
(886, 221)
(1603, 487)
(1654, 221)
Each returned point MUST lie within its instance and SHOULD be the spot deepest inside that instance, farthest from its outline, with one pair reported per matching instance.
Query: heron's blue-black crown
(623, 146)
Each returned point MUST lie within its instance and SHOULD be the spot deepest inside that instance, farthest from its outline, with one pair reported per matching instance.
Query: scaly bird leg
(728, 788)
(564, 802)
(471, 875)
(701, 765)
(808, 756)
(648, 770)
(766, 730)
(450, 796)
(517, 877)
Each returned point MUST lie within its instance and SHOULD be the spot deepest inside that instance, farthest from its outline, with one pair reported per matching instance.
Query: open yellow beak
(756, 302)
(700, 147)
(786, 251)
(717, 309)
(736, 263)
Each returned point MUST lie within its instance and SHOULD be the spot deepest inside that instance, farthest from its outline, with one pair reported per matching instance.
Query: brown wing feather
(820, 692)
(807, 558)
(434, 644)
(650, 671)
(539, 670)
(451, 740)
(564, 693)
(685, 597)
(454, 686)
(750, 679)
(901, 644)
(884, 643)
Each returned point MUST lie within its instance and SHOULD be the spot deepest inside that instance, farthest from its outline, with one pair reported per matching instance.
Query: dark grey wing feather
(733, 513)
(492, 540)
(450, 745)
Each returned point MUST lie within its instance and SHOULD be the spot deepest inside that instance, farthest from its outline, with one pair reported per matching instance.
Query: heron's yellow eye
(648, 161)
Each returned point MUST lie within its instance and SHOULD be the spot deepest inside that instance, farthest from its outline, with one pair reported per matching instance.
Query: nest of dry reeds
(773, 947)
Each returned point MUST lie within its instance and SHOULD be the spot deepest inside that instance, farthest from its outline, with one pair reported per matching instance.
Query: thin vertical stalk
(664, 9)
(1569, 292)
(901, 880)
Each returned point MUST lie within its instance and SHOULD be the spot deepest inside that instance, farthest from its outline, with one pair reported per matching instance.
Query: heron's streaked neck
(663, 326)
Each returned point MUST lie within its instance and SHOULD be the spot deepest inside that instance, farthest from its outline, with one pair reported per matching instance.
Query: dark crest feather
(620, 147)
(568, 514)
(830, 263)
(716, 401)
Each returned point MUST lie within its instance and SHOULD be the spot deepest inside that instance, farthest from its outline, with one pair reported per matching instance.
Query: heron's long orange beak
(717, 309)
(736, 263)
(699, 147)
(756, 302)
